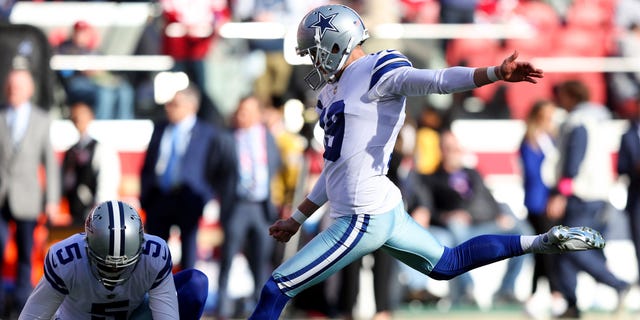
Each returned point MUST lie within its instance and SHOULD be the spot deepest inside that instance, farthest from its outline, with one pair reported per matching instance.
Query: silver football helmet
(328, 34)
(114, 236)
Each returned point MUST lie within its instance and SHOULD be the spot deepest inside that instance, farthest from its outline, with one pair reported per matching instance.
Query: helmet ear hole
(335, 49)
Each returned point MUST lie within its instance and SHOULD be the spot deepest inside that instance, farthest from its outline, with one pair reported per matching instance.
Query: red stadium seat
(590, 14)
(521, 96)
(578, 41)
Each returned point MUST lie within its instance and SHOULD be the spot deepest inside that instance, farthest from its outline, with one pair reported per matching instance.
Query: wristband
(565, 186)
(491, 73)
(299, 217)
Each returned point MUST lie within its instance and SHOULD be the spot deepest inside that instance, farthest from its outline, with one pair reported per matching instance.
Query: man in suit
(174, 188)
(629, 165)
(248, 211)
(25, 147)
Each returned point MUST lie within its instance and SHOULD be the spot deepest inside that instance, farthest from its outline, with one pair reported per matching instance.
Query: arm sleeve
(409, 81)
(163, 300)
(42, 303)
(318, 194)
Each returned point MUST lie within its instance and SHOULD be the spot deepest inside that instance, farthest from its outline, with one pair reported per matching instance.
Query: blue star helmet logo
(324, 23)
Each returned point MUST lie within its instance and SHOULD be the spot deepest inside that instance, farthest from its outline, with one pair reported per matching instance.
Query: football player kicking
(114, 271)
(362, 108)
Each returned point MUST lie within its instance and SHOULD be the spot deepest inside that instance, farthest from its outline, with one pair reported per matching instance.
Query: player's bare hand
(516, 71)
(283, 229)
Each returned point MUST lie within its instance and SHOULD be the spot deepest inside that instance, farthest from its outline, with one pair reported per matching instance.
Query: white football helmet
(328, 34)
(114, 236)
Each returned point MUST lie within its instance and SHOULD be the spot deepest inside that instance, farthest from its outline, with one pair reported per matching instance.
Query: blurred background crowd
(196, 112)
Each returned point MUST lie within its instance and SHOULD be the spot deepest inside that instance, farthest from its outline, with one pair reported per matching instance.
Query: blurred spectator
(625, 86)
(111, 94)
(246, 223)
(465, 206)
(174, 188)
(189, 32)
(427, 148)
(456, 11)
(5, 9)
(291, 146)
(629, 165)
(275, 77)
(537, 148)
(25, 147)
(627, 13)
(284, 186)
(583, 164)
(420, 205)
(90, 168)
(385, 285)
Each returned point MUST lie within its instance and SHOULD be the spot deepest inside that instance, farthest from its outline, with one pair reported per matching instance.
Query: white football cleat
(563, 239)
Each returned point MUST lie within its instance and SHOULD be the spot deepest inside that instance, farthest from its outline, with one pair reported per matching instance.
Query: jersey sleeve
(163, 299)
(43, 302)
(393, 74)
(54, 269)
(156, 259)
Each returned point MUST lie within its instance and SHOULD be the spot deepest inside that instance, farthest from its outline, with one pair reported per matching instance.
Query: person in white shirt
(114, 270)
(362, 108)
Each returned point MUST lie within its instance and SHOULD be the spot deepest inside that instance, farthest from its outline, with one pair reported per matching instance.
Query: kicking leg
(474, 253)
(416, 247)
(487, 249)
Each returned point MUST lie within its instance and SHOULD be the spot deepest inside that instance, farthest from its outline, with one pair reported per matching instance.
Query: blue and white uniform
(361, 130)
(69, 290)
(360, 133)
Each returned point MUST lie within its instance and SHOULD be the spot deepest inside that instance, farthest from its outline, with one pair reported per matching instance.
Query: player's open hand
(283, 229)
(515, 71)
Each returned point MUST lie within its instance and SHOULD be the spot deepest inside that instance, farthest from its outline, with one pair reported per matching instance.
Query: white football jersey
(67, 270)
(361, 115)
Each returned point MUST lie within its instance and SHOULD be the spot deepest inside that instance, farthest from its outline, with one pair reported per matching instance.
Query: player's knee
(271, 289)
(193, 280)
(444, 270)
(440, 275)
(192, 286)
